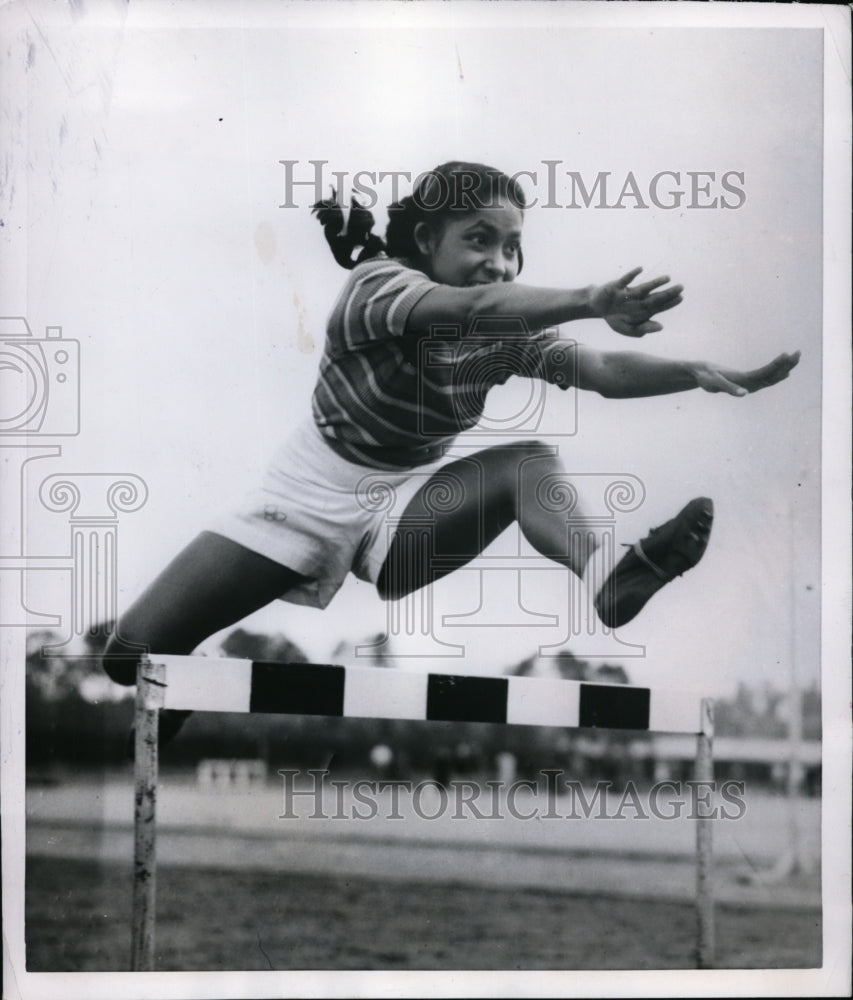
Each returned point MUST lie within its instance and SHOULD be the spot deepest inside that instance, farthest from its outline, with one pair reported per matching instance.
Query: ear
(424, 238)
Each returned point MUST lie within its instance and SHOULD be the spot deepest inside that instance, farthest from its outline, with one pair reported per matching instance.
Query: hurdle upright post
(238, 685)
(150, 686)
(704, 841)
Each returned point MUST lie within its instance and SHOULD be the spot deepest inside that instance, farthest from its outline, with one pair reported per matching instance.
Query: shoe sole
(634, 582)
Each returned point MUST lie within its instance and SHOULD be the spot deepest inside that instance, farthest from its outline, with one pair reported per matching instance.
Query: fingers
(649, 327)
(717, 382)
(641, 329)
(626, 279)
(630, 328)
(663, 300)
(623, 326)
(789, 361)
(748, 382)
(732, 388)
(769, 373)
(641, 302)
(640, 291)
(777, 370)
(674, 292)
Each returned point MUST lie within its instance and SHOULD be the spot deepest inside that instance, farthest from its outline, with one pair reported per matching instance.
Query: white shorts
(323, 516)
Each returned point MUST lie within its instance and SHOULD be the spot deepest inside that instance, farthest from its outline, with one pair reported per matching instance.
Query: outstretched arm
(625, 374)
(627, 309)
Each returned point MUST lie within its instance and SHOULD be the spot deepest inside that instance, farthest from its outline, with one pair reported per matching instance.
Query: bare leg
(211, 584)
(468, 503)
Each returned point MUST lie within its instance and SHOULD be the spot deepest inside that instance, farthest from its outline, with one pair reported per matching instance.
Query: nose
(496, 265)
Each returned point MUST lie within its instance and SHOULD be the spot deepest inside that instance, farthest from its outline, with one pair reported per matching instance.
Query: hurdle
(202, 684)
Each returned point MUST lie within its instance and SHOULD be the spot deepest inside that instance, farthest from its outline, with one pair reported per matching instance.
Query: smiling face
(475, 248)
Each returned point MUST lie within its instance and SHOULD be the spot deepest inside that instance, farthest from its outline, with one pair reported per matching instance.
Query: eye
(478, 239)
(513, 247)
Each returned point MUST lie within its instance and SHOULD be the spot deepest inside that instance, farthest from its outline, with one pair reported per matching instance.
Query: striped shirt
(392, 399)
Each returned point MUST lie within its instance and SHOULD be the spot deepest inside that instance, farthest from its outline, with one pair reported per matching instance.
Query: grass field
(78, 919)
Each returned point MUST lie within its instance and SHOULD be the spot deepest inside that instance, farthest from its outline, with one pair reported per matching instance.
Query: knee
(121, 658)
(512, 466)
(539, 451)
(518, 453)
(539, 467)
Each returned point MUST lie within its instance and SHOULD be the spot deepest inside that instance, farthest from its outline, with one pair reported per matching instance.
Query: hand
(629, 310)
(712, 378)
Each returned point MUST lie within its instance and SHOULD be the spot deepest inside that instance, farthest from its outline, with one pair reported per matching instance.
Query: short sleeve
(376, 302)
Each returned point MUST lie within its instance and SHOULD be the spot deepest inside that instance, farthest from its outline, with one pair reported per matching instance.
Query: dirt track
(78, 920)
(651, 859)
(241, 888)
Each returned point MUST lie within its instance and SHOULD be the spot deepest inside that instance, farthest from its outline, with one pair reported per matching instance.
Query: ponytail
(447, 190)
(358, 231)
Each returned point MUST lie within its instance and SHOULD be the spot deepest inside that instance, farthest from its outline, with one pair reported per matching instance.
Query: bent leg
(211, 584)
(464, 506)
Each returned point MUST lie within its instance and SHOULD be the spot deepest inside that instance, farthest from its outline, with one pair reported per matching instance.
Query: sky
(149, 178)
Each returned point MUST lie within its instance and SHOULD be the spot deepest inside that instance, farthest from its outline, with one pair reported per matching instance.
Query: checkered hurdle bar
(204, 684)
(232, 685)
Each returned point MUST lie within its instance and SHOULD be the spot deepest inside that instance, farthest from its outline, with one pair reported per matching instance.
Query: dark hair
(358, 234)
(455, 188)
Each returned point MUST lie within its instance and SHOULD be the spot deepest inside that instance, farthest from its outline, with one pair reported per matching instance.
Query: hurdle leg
(150, 685)
(704, 843)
